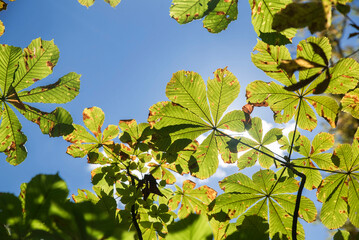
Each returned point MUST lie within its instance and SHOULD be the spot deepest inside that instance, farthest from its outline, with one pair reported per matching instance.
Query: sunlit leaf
(83, 143)
(189, 116)
(19, 70)
(62, 91)
(339, 191)
(86, 3)
(218, 19)
(259, 145)
(11, 137)
(263, 12)
(184, 11)
(191, 200)
(244, 197)
(344, 77)
(350, 103)
(56, 123)
(268, 59)
(37, 62)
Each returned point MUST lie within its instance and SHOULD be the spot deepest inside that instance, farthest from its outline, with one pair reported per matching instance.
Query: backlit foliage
(139, 164)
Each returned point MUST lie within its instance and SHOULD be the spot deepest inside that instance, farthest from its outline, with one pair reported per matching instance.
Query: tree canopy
(135, 189)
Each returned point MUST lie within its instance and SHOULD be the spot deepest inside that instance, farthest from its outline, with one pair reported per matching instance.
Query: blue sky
(126, 57)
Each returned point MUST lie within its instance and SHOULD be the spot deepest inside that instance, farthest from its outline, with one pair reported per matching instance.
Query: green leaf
(326, 107)
(316, 15)
(37, 62)
(222, 91)
(313, 154)
(244, 198)
(191, 200)
(218, 19)
(85, 195)
(83, 143)
(9, 58)
(263, 12)
(47, 213)
(268, 58)
(193, 227)
(134, 133)
(11, 216)
(42, 192)
(222, 230)
(12, 139)
(86, 3)
(350, 103)
(113, 3)
(93, 119)
(189, 116)
(159, 171)
(344, 76)
(56, 123)
(19, 70)
(62, 91)
(339, 192)
(189, 90)
(184, 11)
(285, 104)
(256, 132)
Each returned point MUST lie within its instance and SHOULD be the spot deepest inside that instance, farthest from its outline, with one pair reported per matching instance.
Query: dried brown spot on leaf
(50, 65)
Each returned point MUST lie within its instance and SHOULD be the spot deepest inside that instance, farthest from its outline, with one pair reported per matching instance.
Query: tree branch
(297, 201)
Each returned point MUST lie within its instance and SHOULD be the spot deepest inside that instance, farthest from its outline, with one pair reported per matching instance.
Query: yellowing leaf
(86, 3)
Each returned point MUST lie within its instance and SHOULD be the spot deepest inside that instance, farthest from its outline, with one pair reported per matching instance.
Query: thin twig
(318, 169)
(247, 145)
(356, 51)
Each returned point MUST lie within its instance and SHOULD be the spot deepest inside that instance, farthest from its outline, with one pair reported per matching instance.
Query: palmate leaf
(191, 200)
(265, 196)
(19, 69)
(83, 143)
(47, 214)
(263, 12)
(339, 192)
(313, 153)
(256, 132)
(288, 104)
(189, 116)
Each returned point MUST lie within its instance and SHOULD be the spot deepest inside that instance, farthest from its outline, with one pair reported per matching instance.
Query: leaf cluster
(138, 164)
